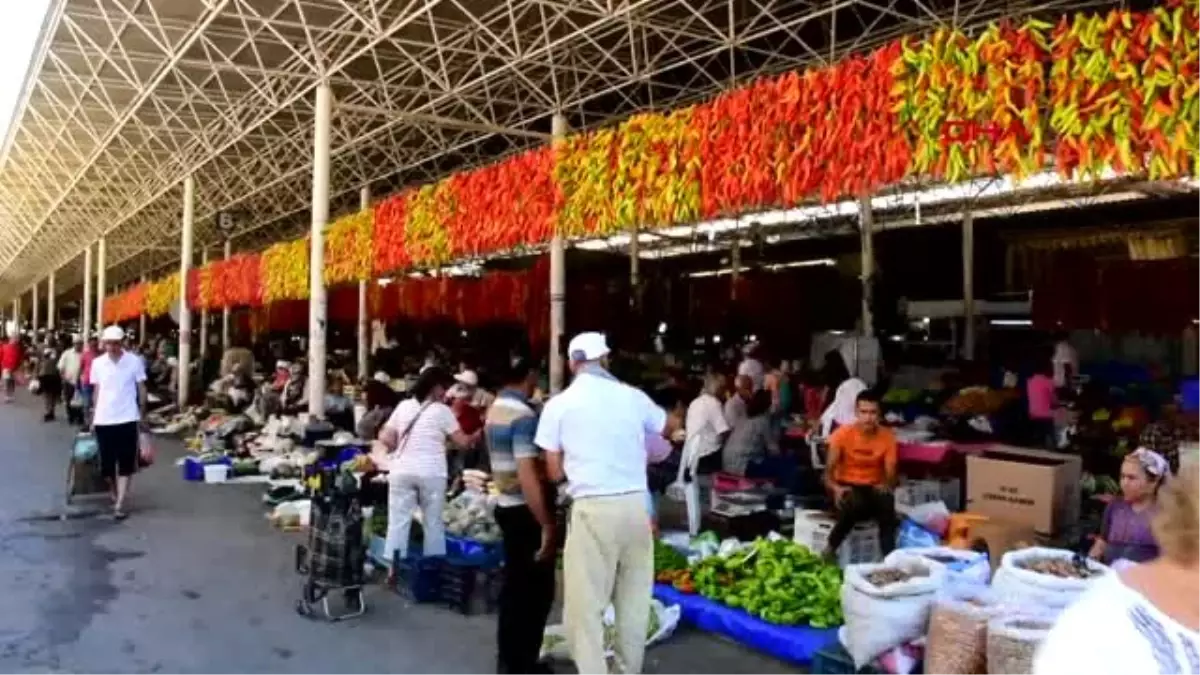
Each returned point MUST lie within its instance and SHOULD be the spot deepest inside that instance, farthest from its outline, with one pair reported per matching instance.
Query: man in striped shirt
(524, 512)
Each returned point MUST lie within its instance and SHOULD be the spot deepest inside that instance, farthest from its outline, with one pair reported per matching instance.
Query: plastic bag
(1020, 587)
(85, 447)
(145, 449)
(933, 516)
(663, 622)
(1013, 640)
(958, 626)
(910, 535)
(35, 385)
(962, 566)
(881, 617)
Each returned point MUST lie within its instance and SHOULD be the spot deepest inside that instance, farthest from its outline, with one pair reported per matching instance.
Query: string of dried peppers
(348, 248)
(161, 295)
(285, 271)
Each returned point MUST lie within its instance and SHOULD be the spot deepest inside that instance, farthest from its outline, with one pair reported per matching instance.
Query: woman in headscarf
(1144, 619)
(1125, 531)
(842, 392)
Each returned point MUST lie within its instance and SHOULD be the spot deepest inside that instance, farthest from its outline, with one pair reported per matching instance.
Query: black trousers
(527, 593)
(863, 503)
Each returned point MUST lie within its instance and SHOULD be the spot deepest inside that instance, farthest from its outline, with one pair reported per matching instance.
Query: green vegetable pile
(780, 582)
(666, 558)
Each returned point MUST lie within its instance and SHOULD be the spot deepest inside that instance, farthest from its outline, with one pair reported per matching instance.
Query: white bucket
(216, 473)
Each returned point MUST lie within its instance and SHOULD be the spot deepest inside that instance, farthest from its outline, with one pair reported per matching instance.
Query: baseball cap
(588, 347)
(382, 377)
(112, 334)
(467, 377)
(459, 390)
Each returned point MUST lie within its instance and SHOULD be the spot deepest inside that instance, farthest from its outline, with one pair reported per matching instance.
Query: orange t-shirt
(863, 460)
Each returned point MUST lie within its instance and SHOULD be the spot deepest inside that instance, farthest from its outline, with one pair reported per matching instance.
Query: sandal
(119, 515)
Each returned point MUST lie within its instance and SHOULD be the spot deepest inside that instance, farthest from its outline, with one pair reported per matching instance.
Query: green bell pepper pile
(779, 582)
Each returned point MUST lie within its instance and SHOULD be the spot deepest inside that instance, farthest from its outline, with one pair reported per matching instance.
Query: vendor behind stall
(860, 474)
(751, 439)
(339, 409)
(1125, 532)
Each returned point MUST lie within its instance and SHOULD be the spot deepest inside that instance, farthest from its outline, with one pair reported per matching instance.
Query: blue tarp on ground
(794, 644)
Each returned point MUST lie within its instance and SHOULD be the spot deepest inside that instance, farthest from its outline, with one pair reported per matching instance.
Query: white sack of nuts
(1044, 577)
(887, 604)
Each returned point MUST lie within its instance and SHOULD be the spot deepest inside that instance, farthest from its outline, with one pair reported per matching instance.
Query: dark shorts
(118, 444)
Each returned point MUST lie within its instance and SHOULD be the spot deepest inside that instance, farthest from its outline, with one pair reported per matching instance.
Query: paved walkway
(197, 581)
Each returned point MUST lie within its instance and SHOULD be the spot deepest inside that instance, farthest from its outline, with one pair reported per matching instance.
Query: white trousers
(609, 558)
(405, 494)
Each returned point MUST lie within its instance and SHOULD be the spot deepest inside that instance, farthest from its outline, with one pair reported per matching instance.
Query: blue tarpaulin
(794, 644)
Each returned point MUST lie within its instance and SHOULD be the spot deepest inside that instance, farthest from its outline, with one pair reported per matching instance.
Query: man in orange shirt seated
(860, 474)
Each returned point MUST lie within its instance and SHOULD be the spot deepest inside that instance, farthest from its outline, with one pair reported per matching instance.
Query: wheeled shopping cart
(333, 559)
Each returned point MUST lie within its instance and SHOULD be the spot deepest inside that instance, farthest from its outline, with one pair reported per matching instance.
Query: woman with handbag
(416, 436)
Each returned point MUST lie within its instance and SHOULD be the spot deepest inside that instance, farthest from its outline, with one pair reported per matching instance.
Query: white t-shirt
(600, 426)
(753, 369)
(1111, 628)
(117, 402)
(69, 366)
(422, 452)
(705, 419)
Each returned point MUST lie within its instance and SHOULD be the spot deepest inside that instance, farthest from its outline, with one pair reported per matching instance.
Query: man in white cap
(70, 365)
(594, 434)
(118, 379)
(478, 397)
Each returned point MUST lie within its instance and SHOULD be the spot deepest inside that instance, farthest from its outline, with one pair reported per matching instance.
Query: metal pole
(317, 302)
(225, 312)
(16, 310)
(558, 284)
(968, 251)
(867, 226)
(101, 282)
(34, 326)
(203, 314)
(185, 312)
(142, 322)
(85, 326)
(364, 203)
(635, 245)
(51, 310)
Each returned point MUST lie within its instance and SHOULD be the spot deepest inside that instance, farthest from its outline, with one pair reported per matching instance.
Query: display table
(794, 644)
(934, 452)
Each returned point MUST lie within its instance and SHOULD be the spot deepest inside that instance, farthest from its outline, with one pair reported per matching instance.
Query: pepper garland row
(1096, 91)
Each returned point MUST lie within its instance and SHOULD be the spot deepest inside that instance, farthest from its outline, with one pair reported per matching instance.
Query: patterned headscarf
(1151, 462)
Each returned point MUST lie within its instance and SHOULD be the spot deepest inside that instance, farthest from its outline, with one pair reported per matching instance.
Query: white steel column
(203, 316)
(317, 302)
(225, 312)
(558, 284)
(185, 312)
(16, 311)
(867, 226)
(34, 322)
(364, 203)
(85, 319)
(142, 321)
(51, 310)
(101, 282)
(968, 252)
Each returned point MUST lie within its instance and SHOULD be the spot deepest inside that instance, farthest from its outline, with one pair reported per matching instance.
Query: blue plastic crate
(193, 469)
(832, 659)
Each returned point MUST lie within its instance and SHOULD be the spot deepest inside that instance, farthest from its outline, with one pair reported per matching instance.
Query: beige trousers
(609, 558)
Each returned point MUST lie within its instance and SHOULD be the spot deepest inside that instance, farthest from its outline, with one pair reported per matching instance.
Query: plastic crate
(832, 659)
(419, 579)
(913, 493)
(468, 588)
(193, 469)
(812, 529)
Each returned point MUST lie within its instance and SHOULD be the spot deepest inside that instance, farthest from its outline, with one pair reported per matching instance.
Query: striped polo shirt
(508, 428)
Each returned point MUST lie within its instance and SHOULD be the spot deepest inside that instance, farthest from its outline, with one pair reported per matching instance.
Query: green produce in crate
(778, 581)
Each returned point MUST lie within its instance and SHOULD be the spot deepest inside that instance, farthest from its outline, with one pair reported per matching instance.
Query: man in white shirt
(70, 365)
(594, 434)
(752, 367)
(118, 379)
(1065, 361)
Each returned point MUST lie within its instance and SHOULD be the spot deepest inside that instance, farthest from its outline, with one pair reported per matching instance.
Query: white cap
(281, 365)
(382, 377)
(112, 334)
(467, 377)
(588, 347)
(458, 391)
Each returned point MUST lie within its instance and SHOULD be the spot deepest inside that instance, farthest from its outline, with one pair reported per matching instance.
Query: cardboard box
(1025, 486)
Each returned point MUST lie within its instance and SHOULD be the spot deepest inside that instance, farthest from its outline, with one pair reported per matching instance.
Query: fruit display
(778, 581)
